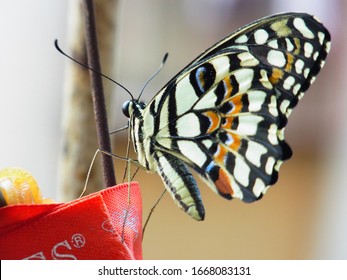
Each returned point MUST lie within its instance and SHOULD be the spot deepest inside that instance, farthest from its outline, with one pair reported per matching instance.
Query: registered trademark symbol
(78, 240)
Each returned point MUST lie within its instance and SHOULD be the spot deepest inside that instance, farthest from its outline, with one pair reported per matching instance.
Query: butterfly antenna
(86, 66)
(155, 74)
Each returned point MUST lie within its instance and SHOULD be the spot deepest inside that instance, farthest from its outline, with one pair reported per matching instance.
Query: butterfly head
(133, 107)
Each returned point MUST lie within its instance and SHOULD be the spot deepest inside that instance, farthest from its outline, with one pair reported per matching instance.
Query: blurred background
(301, 217)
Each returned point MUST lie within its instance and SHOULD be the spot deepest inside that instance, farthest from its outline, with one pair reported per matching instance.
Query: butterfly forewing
(225, 113)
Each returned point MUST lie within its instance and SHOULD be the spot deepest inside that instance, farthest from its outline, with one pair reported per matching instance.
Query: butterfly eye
(125, 108)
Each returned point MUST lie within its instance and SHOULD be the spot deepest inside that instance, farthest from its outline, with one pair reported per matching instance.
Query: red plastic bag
(102, 225)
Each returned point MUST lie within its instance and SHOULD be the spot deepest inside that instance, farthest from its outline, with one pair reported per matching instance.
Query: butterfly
(225, 113)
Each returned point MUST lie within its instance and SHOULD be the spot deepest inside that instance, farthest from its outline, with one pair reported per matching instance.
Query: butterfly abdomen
(181, 184)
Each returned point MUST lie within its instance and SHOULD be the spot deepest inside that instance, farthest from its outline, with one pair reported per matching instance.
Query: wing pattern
(224, 114)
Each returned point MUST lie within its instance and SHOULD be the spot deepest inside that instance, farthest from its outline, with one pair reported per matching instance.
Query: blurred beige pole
(79, 132)
(331, 222)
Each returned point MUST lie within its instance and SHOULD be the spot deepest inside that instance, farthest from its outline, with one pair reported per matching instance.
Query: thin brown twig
(98, 93)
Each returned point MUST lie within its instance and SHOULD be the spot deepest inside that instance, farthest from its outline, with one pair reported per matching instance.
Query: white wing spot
(207, 143)
(290, 46)
(308, 48)
(261, 36)
(299, 65)
(242, 39)
(301, 95)
(157, 101)
(269, 165)
(256, 100)
(321, 37)
(264, 79)
(244, 77)
(315, 55)
(288, 83)
(164, 114)
(247, 59)
(206, 101)
(280, 133)
(273, 44)
(300, 25)
(276, 58)
(188, 125)
(241, 171)
(192, 151)
(259, 187)
(185, 95)
(254, 152)
(248, 124)
(272, 106)
(278, 165)
(289, 111)
(272, 134)
(296, 89)
(284, 105)
(221, 65)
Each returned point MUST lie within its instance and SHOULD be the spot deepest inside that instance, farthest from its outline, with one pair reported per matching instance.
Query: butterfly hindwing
(229, 134)
(224, 114)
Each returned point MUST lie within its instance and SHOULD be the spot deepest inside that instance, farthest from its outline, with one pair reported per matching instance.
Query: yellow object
(18, 186)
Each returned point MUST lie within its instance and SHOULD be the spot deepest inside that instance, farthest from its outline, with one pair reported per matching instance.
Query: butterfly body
(224, 114)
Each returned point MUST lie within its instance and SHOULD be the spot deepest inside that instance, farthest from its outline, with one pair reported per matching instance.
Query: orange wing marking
(276, 76)
(228, 87)
(223, 183)
(297, 46)
(214, 120)
(290, 61)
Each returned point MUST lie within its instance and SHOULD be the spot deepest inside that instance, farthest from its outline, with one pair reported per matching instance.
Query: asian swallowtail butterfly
(224, 114)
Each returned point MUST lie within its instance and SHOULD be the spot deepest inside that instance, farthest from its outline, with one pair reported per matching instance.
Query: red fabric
(87, 228)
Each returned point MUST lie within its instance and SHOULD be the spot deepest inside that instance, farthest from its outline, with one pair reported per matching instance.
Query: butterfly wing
(280, 28)
(225, 113)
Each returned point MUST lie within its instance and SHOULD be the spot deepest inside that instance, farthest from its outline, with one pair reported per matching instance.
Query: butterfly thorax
(141, 134)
